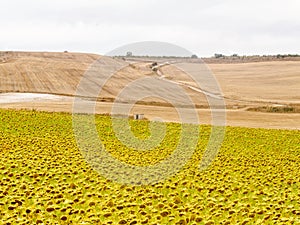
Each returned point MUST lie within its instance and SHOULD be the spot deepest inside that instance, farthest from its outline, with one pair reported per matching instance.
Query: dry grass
(277, 109)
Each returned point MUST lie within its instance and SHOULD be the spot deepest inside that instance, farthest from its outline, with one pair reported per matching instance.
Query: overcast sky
(203, 27)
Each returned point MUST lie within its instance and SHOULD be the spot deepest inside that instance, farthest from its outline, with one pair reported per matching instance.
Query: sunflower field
(44, 178)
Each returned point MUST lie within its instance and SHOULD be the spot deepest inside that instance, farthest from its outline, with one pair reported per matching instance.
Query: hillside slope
(42, 72)
(60, 73)
(254, 85)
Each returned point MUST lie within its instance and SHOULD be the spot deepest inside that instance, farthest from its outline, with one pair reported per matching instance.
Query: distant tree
(279, 56)
(194, 56)
(128, 54)
(293, 55)
(235, 55)
(217, 55)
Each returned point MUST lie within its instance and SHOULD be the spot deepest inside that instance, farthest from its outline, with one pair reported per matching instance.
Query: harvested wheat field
(257, 94)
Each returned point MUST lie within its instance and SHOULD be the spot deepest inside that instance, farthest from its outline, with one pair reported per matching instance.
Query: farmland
(45, 179)
(249, 88)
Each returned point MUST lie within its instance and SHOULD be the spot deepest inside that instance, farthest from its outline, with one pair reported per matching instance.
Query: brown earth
(244, 85)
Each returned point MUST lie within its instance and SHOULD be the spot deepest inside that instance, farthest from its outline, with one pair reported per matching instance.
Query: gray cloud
(203, 27)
